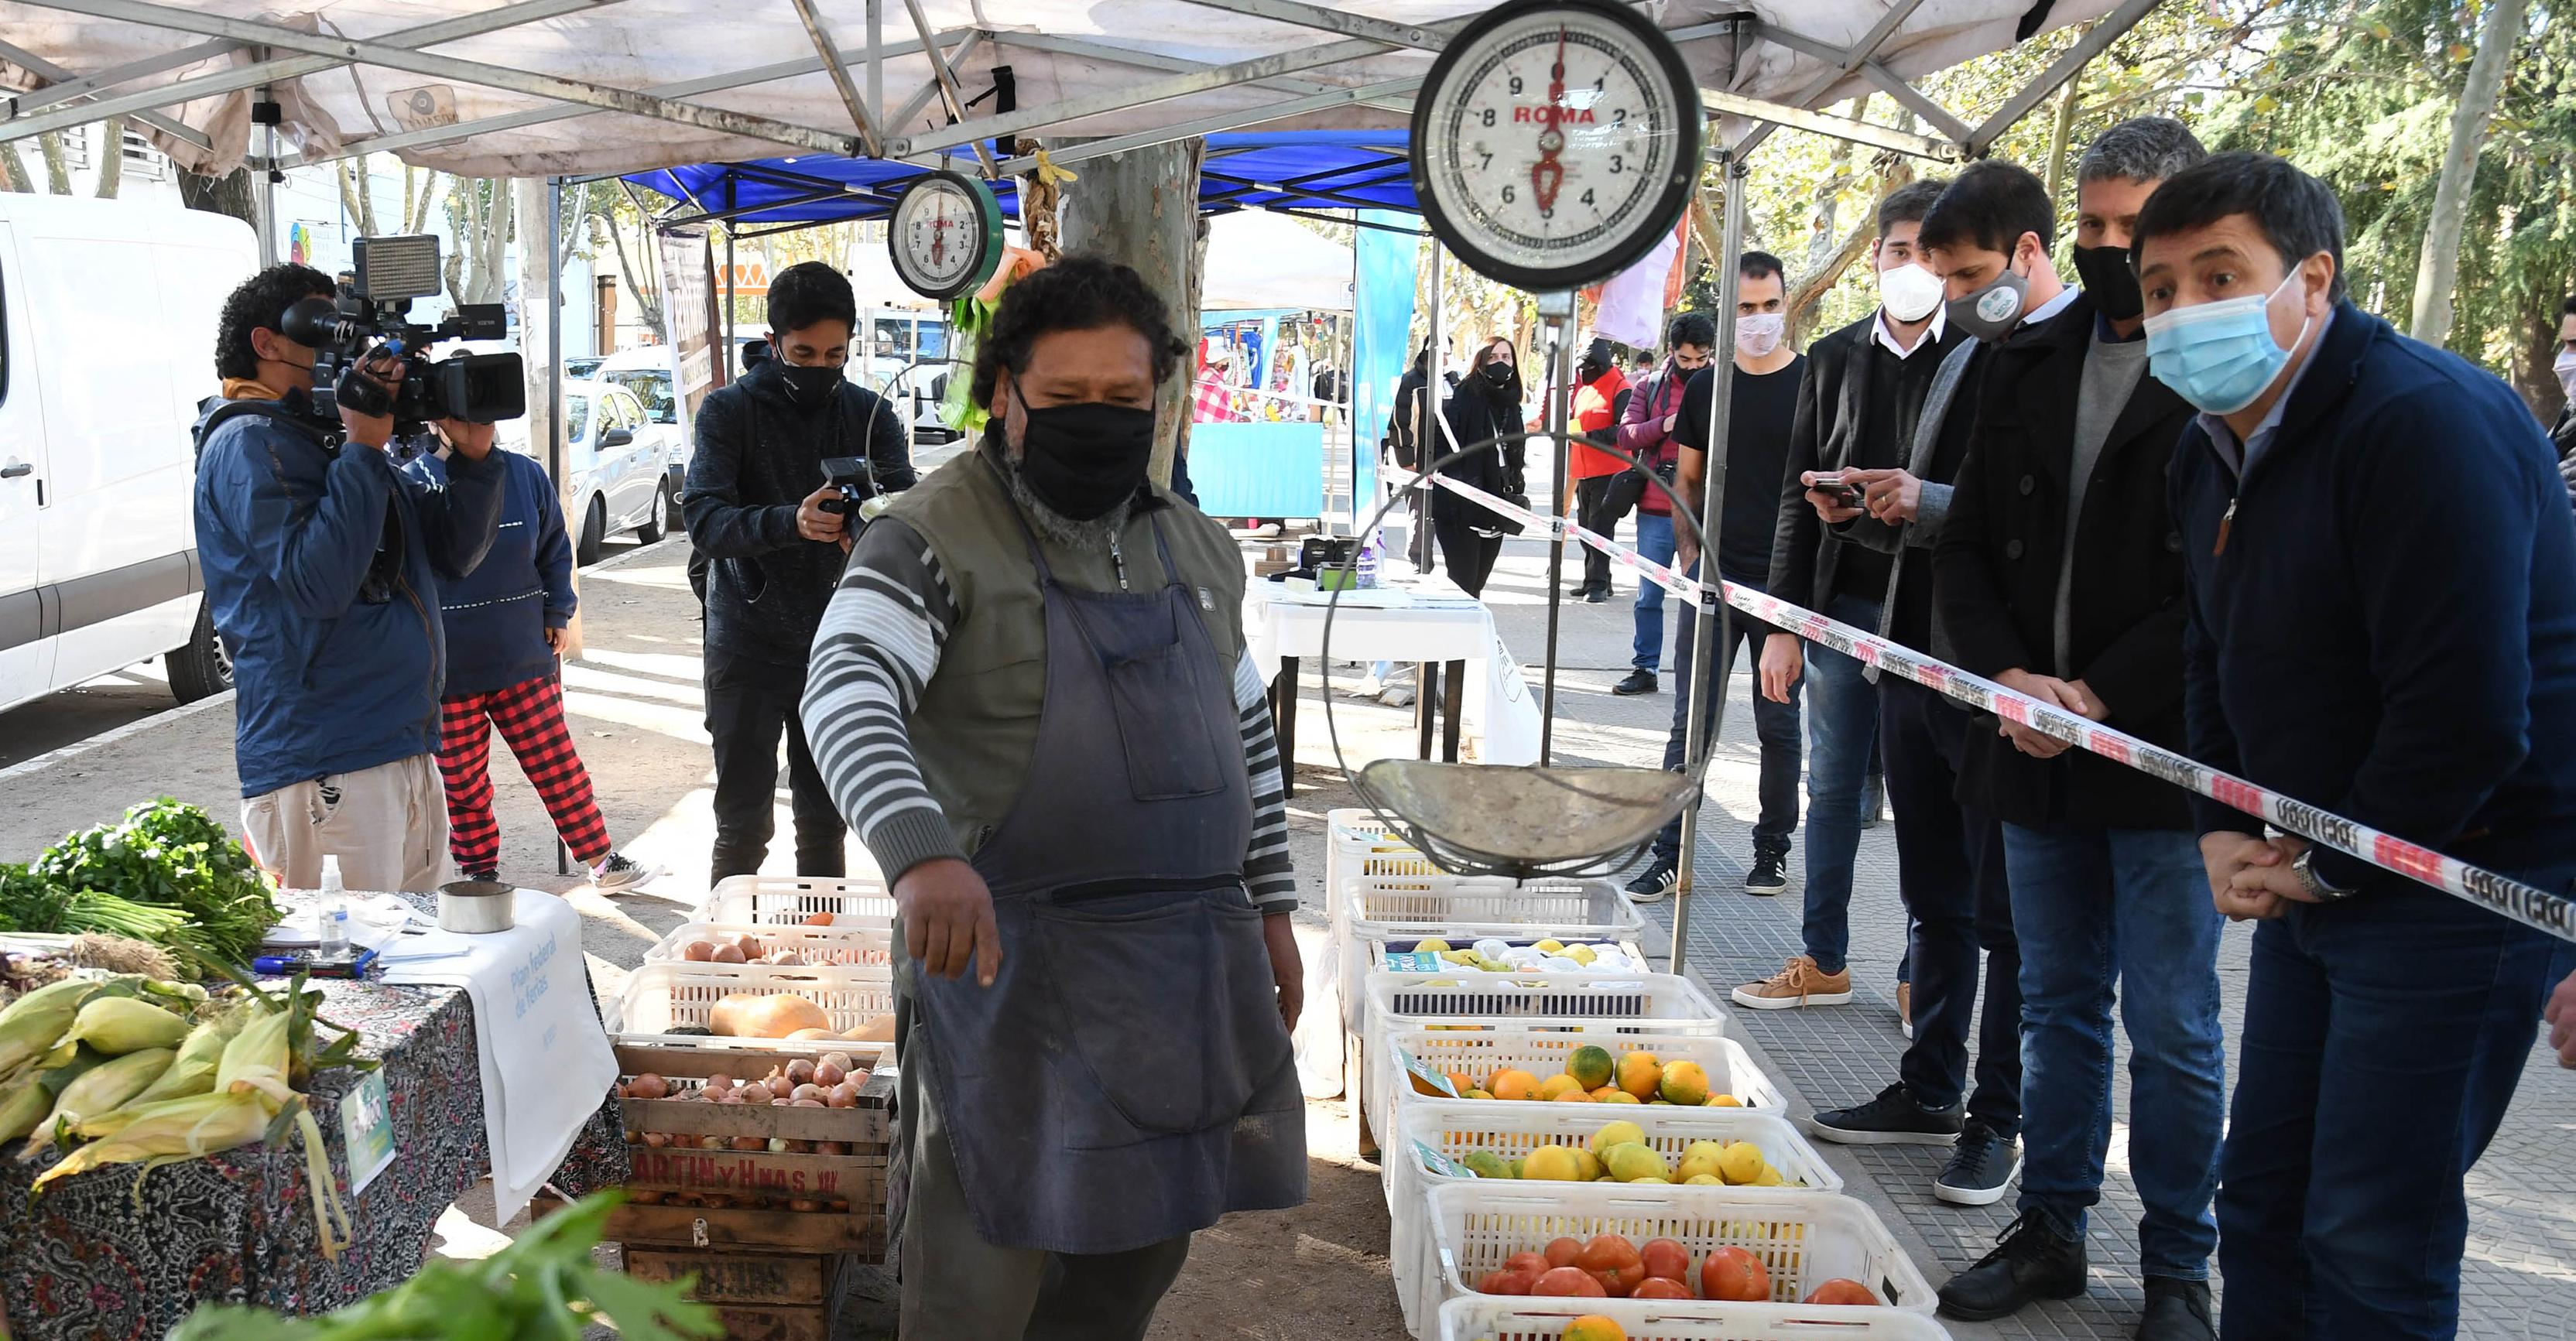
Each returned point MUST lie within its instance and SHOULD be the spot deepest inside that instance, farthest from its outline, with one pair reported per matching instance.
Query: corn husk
(192, 1071)
(34, 1023)
(36, 1087)
(117, 1025)
(174, 1129)
(102, 1088)
(257, 1059)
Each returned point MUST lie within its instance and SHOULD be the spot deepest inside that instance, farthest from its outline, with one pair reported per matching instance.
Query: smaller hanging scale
(1555, 143)
(945, 235)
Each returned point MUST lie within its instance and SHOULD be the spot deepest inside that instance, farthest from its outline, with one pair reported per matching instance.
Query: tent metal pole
(463, 71)
(876, 59)
(2102, 34)
(557, 448)
(1711, 627)
(839, 70)
(930, 87)
(1210, 125)
(270, 71)
(1332, 21)
(1840, 127)
(1888, 81)
(716, 83)
(267, 193)
(1558, 309)
(1426, 439)
(1155, 60)
(54, 74)
(1852, 57)
(730, 301)
(948, 86)
(65, 90)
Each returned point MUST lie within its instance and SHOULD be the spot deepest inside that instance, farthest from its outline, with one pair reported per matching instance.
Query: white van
(648, 373)
(107, 333)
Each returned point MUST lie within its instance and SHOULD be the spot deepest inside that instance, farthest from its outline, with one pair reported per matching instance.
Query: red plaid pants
(530, 715)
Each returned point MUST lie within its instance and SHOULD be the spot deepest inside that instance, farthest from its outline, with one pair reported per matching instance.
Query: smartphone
(1831, 482)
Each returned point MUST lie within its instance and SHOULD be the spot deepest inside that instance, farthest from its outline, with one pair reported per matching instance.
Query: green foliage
(544, 1285)
(170, 856)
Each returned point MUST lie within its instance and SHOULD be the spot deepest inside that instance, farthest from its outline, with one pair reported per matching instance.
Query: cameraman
(755, 504)
(322, 567)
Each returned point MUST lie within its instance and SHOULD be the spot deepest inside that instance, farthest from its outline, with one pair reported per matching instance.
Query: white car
(647, 374)
(615, 457)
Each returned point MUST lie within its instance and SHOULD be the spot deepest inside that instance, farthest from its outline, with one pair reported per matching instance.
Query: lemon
(1724, 1101)
(1552, 1164)
(1487, 1164)
(1741, 1163)
(1581, 954)
(1588, 1162)
(1695, 1167)
(1704, 1180)
(1650, 1180)
(1616, 1097)
(1617, 1133)
(1556, 1085)
(1630, 1162)
(1708, 1150)
(1432, 945)
(1550, 946)
(1770, 1178)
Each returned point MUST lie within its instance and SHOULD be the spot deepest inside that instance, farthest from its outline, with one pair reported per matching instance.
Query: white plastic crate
(1597, 1002)
(1802, 1238)
(855, 944)
(1357, 843)
(1365, 952)
(1457, 1129)
(1499, 1318)
(1541, 1052)
(1392, 905)
(661, 998)
(772, 900)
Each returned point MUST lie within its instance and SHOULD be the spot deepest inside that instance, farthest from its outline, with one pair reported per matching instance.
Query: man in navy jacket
(2382, 623)
(322, 565)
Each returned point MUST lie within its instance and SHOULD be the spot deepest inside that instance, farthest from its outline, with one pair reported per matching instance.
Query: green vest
(976, 728)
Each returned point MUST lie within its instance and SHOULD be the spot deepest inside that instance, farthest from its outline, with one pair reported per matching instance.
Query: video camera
(369, 315)
(861, 497)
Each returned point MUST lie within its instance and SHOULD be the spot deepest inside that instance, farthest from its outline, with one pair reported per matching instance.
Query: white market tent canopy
(598, 87)
(1264, 261)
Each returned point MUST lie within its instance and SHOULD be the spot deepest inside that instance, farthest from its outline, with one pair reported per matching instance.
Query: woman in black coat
(1487, 403)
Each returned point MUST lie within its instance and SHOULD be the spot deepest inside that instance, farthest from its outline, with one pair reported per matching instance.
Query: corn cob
(102, 1088)
(174, 1129)
(34, 1023)
(193, 1070)
(117, 1025)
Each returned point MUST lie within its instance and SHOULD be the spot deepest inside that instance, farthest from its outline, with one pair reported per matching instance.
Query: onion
(828, 1075)
(802, 1204)
(800, 1071)
(749, 945)
(751, 1143)
(839, 1059)
(806, 1092)
(699, 951)
(657, 1140)
(729, 1097)
(805, 1103)
(648, 1086)
(729, 954)
(642, 1197)
(720, 1082)
(831, 1148)
(843, 1095)
(755, 1093)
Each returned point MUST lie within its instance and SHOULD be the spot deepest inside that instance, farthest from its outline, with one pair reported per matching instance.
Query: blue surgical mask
(2220, 356)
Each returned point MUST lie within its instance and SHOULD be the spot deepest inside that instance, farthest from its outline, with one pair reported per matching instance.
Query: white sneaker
(618, 873)
(1397, 696)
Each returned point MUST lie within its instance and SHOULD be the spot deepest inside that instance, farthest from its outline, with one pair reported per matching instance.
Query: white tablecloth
(1398, 624)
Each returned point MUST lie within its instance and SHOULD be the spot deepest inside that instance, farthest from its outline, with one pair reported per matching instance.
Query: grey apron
(1126, 1079)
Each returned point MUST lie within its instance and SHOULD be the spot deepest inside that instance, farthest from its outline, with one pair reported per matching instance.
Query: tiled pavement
(2519, 1279)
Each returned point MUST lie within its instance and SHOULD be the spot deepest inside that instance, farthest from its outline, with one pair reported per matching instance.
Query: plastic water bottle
(335, 911)
(1368, 564)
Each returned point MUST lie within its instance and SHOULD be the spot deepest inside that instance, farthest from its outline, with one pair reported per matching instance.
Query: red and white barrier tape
(2498, 894)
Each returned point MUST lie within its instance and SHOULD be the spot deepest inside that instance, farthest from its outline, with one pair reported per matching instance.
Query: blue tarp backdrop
(1384, 303)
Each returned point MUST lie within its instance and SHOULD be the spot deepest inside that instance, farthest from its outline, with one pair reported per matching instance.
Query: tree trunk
(111, 169)
(1141, 207)
(2532, 377)
(2062, 132)
(2438, 269)
(1806, 290)
(639, 282)
(230, 194)
(358, 195)
(58, 173)
(416, 203)
(14, 168)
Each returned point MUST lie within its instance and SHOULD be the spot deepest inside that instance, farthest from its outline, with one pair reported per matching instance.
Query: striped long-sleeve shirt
(877, 649)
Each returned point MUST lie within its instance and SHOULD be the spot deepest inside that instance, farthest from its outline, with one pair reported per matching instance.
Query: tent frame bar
(54, 74)
(1840, 127)
(462, 71)
(946, 79)
(64, 90)
(2111, 28)
(839, 69)
(1340, 21)
(1154, 60)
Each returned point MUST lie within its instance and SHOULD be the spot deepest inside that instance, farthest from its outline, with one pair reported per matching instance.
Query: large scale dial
(945, 235)
(1555, 141)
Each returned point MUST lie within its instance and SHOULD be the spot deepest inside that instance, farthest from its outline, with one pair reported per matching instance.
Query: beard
(1069, 532)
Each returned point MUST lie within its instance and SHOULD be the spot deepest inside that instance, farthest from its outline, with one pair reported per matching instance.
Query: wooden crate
(758, 1296)
(724, 1199)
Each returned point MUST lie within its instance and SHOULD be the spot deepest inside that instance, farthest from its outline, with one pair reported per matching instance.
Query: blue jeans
(1775, 725)
(2383, 1040)
(2095, 909)
(1842, 725)
(1654, 541)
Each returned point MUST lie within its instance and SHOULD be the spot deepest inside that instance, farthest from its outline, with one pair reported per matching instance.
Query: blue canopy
(1312, 169)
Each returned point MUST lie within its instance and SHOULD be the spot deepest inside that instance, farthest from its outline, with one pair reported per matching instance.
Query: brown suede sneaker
(1800, 984)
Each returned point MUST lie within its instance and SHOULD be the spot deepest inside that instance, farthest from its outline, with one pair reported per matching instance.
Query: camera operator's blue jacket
(496, 617)
(336, 647)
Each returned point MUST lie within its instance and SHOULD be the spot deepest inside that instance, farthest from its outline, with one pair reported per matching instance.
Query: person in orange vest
(1599, 385)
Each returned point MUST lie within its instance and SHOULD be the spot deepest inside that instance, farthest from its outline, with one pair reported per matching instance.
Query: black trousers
(1592, 512)
(1468, 556)
(748, 701)
(1775, 725)
(1950, 864)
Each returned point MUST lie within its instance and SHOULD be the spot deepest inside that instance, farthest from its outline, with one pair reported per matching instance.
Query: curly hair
(1076, 293)
(260, 303)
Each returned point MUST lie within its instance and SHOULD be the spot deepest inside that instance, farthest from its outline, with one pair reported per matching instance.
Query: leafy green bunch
(544, 1287)
(165, 855)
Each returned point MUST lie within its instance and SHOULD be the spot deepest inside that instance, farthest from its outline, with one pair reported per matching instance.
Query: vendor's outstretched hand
(1287, 968)
(948, 919)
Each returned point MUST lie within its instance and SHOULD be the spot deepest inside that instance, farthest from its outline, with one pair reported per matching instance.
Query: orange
(1594, 1327)
(1725, 1101)
(1602, 1095)
(1573, 1096)
(1461, 1082)
(1511, 1083)
(1685, 1084)
(1640, 1073)
(1556, 1085)
(1589, 1064)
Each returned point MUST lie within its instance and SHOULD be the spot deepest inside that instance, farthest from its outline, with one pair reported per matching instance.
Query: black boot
(2038, 1258)
(2177, 1310)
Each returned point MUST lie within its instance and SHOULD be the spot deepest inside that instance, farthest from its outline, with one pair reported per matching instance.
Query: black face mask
(810, 386)
(1503, 381)
(1084, 460)
(2107, 276)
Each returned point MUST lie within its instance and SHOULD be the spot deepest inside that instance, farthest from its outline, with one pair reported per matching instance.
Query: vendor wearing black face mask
(770, 553)
(1486, 404)
(1032, 697)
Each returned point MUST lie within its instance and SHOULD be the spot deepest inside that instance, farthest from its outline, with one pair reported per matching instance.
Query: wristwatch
(2315, 885)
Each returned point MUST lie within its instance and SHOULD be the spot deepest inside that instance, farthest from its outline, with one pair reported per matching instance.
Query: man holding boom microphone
(322, 567)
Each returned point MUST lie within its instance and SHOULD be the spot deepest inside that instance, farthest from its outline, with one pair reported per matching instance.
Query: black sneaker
(1653, 883)
(1770, 873)
(1981, 1166)
(1893, 1118)
(1638, 682)
(489, 877)
(2177, 1310)
(1599, 596)
(2039, 1257)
